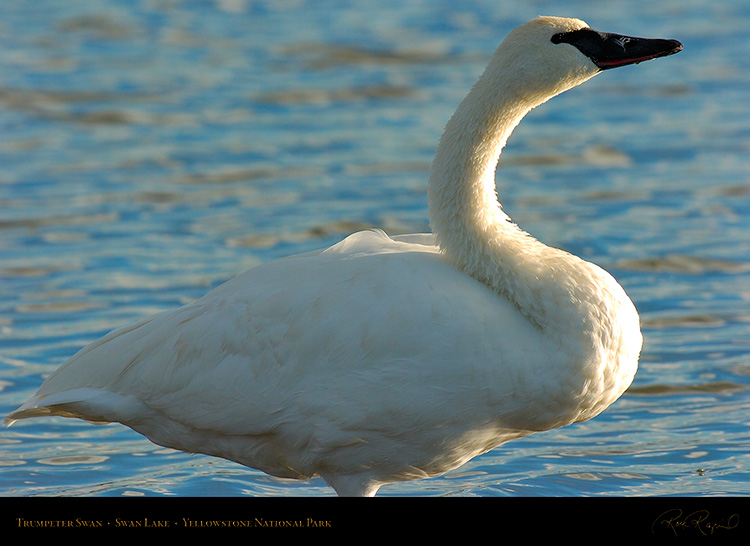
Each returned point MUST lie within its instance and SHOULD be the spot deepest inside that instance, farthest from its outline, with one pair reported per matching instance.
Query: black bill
(612, 50)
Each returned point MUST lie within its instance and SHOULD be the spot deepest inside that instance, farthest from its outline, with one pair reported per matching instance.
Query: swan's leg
(353, 485)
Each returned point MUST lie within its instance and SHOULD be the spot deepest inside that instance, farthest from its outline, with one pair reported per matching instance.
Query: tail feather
(91, 404)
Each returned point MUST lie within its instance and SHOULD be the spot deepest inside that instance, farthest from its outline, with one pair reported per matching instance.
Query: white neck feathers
(548, 286)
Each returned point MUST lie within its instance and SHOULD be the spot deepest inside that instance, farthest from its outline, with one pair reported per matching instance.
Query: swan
(383, 359)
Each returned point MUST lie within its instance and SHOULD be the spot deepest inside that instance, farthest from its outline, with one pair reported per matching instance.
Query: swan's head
(549, 55)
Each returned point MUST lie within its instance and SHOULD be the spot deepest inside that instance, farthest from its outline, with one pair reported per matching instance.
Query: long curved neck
(581, 309)
(470, 226)
(461, 191)
(465, 215)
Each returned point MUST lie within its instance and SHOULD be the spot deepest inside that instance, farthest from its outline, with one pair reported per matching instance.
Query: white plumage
(385, 359)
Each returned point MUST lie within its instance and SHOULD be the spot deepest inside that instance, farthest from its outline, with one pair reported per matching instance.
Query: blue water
(150, 150)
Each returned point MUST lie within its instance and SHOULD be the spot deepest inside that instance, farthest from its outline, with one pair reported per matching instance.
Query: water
(151, 150)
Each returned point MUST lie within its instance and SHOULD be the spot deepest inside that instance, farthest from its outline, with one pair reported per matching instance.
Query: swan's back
(384, 346)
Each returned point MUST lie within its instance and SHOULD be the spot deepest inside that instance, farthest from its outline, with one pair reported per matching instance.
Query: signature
(676, 521)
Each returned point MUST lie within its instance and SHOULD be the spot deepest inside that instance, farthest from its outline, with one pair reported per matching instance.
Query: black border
(643, 518)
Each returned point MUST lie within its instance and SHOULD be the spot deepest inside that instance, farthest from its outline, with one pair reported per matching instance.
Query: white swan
(386, 359)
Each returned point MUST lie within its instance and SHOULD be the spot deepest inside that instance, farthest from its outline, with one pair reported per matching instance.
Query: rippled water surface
(150, 150)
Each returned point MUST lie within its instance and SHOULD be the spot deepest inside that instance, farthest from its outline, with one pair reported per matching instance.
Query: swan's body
(385, 359)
